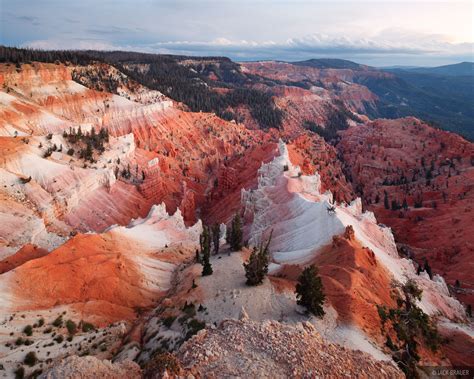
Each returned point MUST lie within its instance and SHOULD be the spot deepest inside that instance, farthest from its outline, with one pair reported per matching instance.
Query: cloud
(387, 43)
(390, 45)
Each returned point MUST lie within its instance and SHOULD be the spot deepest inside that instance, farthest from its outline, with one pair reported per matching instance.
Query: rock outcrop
(419, 181)
(91, 368)
(270, 349)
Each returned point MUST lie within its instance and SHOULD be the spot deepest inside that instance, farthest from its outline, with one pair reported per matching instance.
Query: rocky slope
(305, 231)
(91, 281)
(90, 367)
(419, 181)
(93, 265)
(274, 350)
(57, 192)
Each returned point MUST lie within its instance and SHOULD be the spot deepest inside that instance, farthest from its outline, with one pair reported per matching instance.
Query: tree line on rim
(177, 81)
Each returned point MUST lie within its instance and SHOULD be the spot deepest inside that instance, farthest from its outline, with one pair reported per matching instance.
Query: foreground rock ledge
(270, 349)
(91, 368)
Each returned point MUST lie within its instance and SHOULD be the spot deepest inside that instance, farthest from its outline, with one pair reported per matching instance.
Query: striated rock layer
(425, 177)
(106, 277)
(357, 258)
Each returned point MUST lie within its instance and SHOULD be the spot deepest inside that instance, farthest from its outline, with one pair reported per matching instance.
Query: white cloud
(391, 45)
(389, 42)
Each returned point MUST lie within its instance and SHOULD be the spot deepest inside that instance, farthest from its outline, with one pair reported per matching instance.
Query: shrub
(30, 359)
(19, 341)
(71, 327)
(28, 330)
(19, 373)
(168, 321)
(58, 322)
(194, 326)
(87, 327)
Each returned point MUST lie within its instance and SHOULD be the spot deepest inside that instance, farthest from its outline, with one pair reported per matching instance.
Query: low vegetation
(410, 325)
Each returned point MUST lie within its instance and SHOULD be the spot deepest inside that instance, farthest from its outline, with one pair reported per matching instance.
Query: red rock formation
(26, 253)
(354, 283)
(239, 172)
(313, 154)
(432, 172)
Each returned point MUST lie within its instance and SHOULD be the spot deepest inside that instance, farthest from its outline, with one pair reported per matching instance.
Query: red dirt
(25, 254)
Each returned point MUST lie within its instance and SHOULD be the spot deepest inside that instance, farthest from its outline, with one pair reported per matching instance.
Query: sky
(378, 33)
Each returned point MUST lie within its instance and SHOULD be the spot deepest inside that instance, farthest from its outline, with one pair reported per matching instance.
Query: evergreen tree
(411, 327)
(236, 233)
(205, 242)
(309, 291)
(385, 201)
(469, 310)
(216, 236)
(257, 266)
(405, 204)
(198, 258)
(427, 269)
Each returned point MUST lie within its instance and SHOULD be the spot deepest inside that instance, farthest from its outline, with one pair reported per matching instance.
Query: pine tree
(405, 204)
(198, 258)
(257, 266)
(427, 269)
(469, 310)
(385, 201)
(205, 242)
(236, 233)
(216, 236)
(309, 291)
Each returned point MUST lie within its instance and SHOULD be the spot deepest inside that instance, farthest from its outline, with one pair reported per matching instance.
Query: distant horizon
(251, 60)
